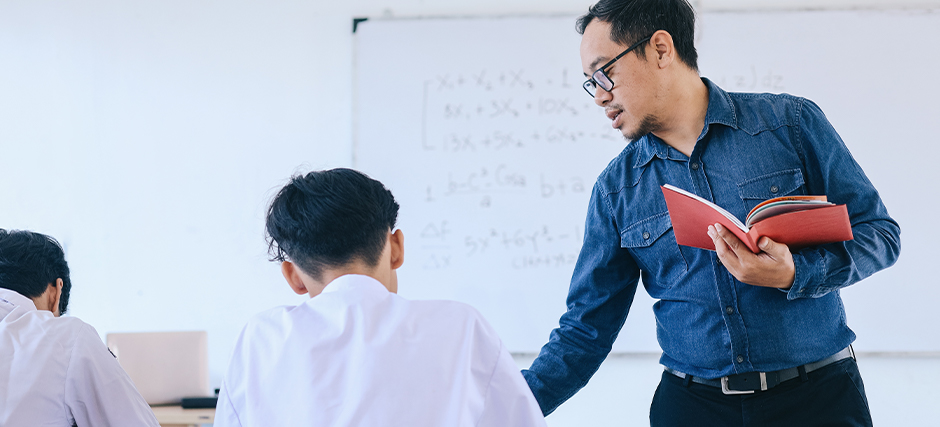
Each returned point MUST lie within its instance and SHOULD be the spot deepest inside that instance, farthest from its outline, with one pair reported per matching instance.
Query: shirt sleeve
(833, 171)
(602, 289)
(225, 415)
(97, 390)
(508, 401)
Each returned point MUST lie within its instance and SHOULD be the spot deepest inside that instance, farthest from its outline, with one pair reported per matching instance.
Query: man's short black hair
(634, 20)
(329, 219)
(30, 262)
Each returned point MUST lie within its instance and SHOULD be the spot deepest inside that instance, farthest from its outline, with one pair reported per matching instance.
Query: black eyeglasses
(600, 77)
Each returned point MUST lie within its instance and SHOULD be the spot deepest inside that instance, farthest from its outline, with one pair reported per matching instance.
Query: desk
(176, 416)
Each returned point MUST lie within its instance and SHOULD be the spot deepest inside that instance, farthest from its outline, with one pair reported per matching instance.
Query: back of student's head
(30, 262)
(329, 219)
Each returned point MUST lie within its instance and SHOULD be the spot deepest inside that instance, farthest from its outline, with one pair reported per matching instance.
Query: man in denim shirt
(748, 339)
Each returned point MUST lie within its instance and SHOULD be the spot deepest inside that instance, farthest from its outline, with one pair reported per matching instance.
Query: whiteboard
(481, 130)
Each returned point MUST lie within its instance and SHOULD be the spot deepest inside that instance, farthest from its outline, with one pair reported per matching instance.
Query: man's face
(630, 104)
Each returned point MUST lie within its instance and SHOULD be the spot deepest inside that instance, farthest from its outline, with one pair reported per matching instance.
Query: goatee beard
(650, 123)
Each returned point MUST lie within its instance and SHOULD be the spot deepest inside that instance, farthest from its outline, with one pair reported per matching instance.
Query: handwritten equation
(499, 151)
(503, 179)
(507, 140)
(513, 108)
(526, 240)
(503, 79)
(522, 248)
(508, 109)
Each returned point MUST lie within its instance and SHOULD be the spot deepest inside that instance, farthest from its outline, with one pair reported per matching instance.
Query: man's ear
(58, 295)
(397, 242)
(664, 48)
(293, 276)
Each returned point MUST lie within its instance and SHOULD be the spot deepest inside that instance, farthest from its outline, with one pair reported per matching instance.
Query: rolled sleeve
(876, 242)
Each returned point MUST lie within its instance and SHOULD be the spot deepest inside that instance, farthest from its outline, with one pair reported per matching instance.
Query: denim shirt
(753, 147)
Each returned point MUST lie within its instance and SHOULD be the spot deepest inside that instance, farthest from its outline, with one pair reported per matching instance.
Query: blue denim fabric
(753, 147)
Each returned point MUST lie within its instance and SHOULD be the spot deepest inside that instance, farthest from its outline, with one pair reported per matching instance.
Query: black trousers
(831, 396)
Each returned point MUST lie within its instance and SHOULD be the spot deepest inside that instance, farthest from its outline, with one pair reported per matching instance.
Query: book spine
(751, 240)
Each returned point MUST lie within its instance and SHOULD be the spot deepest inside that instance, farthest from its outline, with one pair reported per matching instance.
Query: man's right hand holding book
(772, 267)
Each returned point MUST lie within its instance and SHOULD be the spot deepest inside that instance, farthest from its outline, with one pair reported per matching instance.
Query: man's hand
(772, 267)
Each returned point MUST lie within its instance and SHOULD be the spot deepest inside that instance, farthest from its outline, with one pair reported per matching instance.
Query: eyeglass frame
(593, 80)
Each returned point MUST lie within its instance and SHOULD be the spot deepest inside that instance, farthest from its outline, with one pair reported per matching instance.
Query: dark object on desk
(199, 402)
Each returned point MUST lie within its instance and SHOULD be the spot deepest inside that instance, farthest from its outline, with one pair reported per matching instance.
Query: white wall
(126, 127)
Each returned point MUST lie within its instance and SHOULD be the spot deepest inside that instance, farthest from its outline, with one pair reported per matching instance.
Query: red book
(797, 221)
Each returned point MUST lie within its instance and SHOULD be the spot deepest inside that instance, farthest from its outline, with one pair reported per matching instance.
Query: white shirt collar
(355, 281)
(12, 297)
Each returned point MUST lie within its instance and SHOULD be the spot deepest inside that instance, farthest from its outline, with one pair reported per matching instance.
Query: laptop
(165, 366)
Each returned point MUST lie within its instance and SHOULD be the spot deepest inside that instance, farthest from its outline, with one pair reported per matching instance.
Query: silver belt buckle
(726, 390)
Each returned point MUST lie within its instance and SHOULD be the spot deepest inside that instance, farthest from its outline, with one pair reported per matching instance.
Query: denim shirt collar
(720, 111)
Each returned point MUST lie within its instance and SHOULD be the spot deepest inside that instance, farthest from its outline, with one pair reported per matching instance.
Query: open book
(797, 221)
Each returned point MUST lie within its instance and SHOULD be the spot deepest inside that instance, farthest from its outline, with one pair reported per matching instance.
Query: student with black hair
(54, 371)
(355, 353)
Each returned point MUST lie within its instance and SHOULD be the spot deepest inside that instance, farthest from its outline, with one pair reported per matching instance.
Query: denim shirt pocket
(777, 184)
(653, 245)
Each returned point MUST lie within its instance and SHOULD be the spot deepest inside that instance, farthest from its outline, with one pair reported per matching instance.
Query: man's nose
(602, 97)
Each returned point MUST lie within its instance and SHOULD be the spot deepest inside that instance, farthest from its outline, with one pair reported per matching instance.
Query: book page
(734, 220)
(767, 210)
(785, 198)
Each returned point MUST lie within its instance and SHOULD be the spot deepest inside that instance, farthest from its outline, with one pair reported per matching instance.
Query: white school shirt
(55, 371)
(359, 355)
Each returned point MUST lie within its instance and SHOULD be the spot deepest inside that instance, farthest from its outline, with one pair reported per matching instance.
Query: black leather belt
(749, 382)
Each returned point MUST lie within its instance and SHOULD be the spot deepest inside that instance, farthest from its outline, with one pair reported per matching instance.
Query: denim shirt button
(694, 166)
(774, 189)
(740, 359)
(729, 309)
(646, 235)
